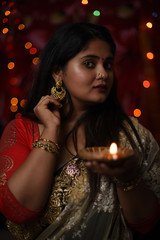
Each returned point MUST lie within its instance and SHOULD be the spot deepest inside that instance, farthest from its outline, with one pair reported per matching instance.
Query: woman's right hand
(48, 118)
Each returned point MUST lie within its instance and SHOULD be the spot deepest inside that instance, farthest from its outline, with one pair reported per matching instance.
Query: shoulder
(145, 134)
(21, 129)
(137, 125)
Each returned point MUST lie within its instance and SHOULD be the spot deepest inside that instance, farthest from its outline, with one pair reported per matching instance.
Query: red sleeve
(147, 224)
(15, 145)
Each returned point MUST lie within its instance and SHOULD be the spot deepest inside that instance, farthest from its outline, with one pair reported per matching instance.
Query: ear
(57, 74)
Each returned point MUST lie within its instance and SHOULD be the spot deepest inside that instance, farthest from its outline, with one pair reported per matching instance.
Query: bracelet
(47, 140)
(47, 147)
(129, 185)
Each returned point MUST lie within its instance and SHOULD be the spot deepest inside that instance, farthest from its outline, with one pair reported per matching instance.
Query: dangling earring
(58, 91)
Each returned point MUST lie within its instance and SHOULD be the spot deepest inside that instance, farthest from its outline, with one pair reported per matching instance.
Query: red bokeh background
(127, 23)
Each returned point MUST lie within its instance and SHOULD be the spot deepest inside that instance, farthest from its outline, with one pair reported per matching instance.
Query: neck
(78, 111)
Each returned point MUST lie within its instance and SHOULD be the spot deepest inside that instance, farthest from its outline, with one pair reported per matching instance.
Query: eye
(89, 64)
(108, 66)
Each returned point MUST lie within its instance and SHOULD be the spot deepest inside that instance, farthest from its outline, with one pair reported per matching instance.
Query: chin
(101, 100)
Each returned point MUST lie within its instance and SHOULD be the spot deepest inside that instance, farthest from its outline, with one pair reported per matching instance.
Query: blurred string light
(137, 112)
(5, 30)
(149, 24)
(13, 108)
(150, 55)
(11, 4)
(7, 13)
(33, 50)
(23, 103)
(11, 15)
(14, 102)
(4, 20)
(35, 60)
(28, 45)
(154, 14)
(146, 84)
(21, 26)
(84, 2)
(96, 13)
(11, 65)
(4, 3)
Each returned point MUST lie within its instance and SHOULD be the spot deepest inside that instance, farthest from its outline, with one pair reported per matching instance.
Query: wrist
(51, 134)
(127, 185)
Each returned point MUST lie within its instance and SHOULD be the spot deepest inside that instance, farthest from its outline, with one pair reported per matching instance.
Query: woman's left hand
(124, 171)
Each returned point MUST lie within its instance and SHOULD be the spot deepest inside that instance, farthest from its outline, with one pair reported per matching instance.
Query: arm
(140, 205)
(12, 153)
(30, 183)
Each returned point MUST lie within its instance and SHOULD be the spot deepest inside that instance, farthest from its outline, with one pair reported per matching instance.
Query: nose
(101, 74)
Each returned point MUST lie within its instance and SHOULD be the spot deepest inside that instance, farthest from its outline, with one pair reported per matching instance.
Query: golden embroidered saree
(69, 215)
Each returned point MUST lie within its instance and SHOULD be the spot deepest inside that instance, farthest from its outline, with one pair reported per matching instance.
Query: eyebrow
(97, 57)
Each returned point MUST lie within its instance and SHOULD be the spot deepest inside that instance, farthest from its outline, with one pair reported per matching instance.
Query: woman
(47, 191)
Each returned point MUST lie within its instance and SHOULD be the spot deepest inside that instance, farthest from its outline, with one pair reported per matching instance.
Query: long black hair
(104, 121)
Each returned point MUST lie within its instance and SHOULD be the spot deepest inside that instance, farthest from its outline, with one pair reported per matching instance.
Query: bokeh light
(84, 2)
(23, 103)
(13, 108)
(33, 50)
(11, 4)
(137, 112)
(146, 84)
(21, 26)
(149, 24)
(4, 20)
(28, 45)
(96, 13)
(4, 3)
(35, 60)
(11, 65)
(7, 13)
(5, 30)
(14, 101)
(154, 14)
(150, 55)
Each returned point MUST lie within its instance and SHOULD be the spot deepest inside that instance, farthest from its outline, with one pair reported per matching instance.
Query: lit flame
(113, 148)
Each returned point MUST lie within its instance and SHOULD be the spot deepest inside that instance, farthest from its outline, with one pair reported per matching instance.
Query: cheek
(76, 77)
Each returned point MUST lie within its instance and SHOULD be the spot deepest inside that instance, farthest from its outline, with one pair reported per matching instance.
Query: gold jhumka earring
(58, 91)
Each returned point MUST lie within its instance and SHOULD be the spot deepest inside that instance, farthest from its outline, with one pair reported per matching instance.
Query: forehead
(99, 48)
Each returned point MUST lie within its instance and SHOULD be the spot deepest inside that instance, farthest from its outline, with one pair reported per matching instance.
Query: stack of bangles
(49, 146)
(127, 186)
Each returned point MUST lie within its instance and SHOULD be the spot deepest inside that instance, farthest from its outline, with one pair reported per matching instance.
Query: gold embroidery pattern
(6, 163)
(9, 137)
(32, 128)
(61, 192)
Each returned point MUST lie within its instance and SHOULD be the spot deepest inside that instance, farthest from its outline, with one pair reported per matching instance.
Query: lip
(100, 87)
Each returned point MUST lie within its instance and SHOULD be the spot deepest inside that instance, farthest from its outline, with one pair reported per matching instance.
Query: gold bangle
(129, 185)
(47, 147)
(47, 140)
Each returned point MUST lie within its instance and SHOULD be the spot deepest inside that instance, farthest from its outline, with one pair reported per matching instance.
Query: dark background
(127, 23)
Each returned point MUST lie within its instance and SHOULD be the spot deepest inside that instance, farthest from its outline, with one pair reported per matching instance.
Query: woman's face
(80, 74)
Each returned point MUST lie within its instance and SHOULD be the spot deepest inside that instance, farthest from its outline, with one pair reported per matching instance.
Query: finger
(49, 99)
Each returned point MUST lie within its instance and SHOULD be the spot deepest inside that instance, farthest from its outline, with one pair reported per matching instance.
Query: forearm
(138, 203)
